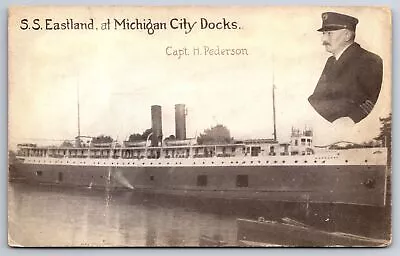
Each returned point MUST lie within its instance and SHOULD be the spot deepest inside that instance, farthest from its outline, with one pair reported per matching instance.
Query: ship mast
(273, 97)
(273, 106)
(78, 141)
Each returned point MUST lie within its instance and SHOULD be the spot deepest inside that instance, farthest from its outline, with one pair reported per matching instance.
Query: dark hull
(350, 184)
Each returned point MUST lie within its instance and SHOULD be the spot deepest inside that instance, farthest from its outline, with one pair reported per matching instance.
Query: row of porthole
(194, 163)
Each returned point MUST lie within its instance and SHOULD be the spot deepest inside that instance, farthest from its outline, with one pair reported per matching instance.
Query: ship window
(202, 180)
(242, 181)
(296, 142)
(38, 173)
(151, 177)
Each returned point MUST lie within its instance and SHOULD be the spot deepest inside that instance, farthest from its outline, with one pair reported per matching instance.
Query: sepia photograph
(177, 126)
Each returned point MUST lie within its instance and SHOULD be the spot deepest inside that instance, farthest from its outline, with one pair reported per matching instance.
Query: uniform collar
(337, 56)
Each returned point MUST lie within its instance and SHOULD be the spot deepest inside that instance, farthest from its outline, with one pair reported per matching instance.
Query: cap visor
(331, 28)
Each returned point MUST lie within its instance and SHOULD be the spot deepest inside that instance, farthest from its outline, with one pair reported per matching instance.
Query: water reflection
(52, 216)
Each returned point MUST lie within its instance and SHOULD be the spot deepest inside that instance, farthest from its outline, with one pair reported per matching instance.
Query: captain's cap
(335, 21)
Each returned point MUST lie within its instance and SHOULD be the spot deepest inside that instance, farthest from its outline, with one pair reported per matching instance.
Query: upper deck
(231, 154)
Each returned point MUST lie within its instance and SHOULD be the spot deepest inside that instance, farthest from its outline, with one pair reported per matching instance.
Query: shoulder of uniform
(370, 55)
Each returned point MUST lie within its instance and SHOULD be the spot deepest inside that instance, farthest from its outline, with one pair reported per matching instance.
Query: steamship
(255, 169)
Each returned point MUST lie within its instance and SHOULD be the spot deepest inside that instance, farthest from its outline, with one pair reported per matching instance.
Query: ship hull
(342, 184)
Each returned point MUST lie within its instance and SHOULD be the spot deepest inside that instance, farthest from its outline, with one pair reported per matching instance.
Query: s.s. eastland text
(147, 25)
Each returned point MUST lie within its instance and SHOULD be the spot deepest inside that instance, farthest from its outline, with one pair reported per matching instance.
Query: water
(51, 216)
(56, 216)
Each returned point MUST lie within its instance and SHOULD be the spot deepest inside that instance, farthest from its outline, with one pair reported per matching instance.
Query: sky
(120, 74)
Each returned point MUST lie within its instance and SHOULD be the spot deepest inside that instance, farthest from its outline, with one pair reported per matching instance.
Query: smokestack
(180, 122)
(156, 125)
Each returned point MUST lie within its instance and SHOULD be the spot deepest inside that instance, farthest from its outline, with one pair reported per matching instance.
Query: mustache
(325, 43)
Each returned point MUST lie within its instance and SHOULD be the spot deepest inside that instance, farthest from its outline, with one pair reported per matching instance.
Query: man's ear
(349, 35)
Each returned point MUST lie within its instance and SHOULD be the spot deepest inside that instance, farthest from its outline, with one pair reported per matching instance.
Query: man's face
(335, 40)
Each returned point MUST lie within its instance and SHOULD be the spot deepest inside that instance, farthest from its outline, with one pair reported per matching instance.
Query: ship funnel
(156, 125)
(180, 122)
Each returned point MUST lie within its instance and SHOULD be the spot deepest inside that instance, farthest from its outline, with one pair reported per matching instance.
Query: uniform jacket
(347, 83)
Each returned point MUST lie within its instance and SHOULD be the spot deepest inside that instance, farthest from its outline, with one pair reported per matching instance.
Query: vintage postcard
(199, 126)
